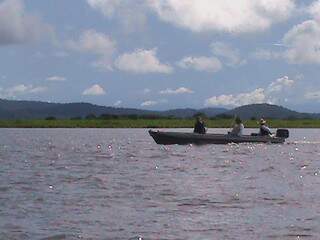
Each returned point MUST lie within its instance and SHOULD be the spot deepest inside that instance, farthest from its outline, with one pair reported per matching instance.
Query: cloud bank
(274, 93)
(231, 16)
(230, 55)
(142, 61)
(94, 90)
(208, 64)
(17, 26)
(130, 14)
(96, 43)
(148, 103)
(21, 89)
(223, 15)
(181, 90)
(56, 79)
(301, 42)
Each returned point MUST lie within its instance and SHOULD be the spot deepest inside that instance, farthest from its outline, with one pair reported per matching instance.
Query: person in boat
(264, 129)
(238, 128)
(199, 126)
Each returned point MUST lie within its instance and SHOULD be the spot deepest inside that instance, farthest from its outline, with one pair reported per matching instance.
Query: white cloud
(94, 90)
(130, 14)
(17, 26)
(107, 7)
(142, 61)
(56, 78)
(146, 91)
(148, 103)
(209, 64)
(103, 63)
(303, 42)
(315, 95)
(278, 90)
(223, 15)
(256, 96)
(23, 89)
(20, 89)
(181, 90)
(117, 103)
(37, 89)
(314, 10)
(264, 54)
(231, 55)
(274, 93)
(280, 84)
(202, 15)
(95, 43)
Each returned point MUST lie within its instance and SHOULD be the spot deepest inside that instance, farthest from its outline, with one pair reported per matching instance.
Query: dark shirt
(199, 128)
(264, 130)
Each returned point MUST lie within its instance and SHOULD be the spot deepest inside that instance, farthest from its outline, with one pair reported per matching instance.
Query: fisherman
(199, 126)
(238, 128)
(264, 129)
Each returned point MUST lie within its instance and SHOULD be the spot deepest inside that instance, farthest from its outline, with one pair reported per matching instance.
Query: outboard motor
(282, 133)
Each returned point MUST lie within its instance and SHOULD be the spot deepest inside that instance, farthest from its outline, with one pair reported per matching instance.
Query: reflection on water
(118, 184)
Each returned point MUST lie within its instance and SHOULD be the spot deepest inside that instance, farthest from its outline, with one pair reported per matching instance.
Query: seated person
(199, 126)
(264, 129)
(238, 128)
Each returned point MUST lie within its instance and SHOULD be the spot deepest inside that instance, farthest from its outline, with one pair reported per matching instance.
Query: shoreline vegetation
(152, 122)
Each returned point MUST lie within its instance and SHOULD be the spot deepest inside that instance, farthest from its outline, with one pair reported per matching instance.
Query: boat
(183, 138)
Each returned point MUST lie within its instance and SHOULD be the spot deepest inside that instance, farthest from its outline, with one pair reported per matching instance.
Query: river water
(118, 184)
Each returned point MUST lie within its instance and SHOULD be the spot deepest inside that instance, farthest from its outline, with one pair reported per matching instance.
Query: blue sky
(162, 54)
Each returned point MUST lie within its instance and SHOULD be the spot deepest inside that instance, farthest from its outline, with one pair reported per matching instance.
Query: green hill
(10, 109)
(264, 110)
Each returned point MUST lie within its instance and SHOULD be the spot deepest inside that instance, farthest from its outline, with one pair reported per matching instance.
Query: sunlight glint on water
(118, 184)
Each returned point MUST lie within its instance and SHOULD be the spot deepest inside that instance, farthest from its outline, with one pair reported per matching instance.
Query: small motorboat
(167, 138)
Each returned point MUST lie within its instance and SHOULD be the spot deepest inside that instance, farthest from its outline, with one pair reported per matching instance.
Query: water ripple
(118, 184)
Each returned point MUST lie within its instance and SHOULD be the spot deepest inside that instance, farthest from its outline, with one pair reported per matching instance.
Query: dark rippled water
(118, 184)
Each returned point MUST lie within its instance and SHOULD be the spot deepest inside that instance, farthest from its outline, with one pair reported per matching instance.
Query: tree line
(93, 116)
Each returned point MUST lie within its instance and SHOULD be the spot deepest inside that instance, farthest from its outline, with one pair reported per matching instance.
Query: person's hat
(262, 121)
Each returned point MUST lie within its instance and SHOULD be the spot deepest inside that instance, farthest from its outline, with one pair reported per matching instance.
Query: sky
(162, 54)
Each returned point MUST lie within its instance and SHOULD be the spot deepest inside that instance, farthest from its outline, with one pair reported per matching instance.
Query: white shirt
(237, 129)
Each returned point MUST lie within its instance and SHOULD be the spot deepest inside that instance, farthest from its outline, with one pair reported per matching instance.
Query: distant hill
(267, 111)
(10, 109)
(38, 110)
